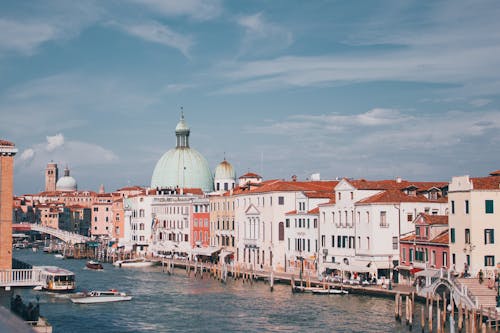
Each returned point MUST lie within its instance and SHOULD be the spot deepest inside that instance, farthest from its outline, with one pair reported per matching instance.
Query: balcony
(250, 242)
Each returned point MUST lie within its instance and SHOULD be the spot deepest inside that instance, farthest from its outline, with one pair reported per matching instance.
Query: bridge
(65, 236)
(440, 280)
(21, 277)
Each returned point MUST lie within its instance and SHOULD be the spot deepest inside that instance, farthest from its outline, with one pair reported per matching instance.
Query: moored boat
(92, 264)
(321, 291)
(97, 296)
(138, 262)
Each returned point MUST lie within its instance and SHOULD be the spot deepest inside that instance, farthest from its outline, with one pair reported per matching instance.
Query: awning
(415, 270)
(205, 251)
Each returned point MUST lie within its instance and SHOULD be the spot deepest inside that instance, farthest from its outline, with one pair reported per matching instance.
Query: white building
(260, 210)
(474, 216)
(360, 231)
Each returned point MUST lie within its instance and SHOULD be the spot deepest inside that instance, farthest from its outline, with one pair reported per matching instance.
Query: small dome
(66, 183)
(225, 171)
(182, 127)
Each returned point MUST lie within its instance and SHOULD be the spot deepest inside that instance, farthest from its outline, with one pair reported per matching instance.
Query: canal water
(178, 303)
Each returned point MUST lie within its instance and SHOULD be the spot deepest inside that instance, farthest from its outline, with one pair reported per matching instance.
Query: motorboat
(97, 296)
(58, 256)
(92, 264)
(138, 262)
(321, 291)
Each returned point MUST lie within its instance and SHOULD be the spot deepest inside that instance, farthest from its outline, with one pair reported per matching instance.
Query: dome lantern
(182, 133)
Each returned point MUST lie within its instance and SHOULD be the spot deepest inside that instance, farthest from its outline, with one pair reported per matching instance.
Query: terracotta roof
(196, 191)
(290, 186)
(250, 175)
(392, 184)
(292, 212)
(442, 238)
(434, 219)
(130, 188)
(6, 143)
(408, 238)
(314, 211)
(391, 196)
(495, 173)
(317, 195)
(486, 183)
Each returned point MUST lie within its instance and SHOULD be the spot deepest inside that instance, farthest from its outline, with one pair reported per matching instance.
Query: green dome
(182, 166)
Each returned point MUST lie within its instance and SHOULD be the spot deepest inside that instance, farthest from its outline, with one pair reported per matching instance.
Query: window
(367, 243)
(452, 235)
(489, 236)
(339, 241)
(323, 240)
(411, 255)
(445, 259)
(467, 236)
(488, 206)
(340, 195)
(281, 201)
(333, 241)
(315, 223)
(404, 255)
(453, 259)
(352, 195)
(383, 219)
(287, 223)
(409, 217)
(489, 260)
(466, 206)
(395, 241)
(281, 231)
(453, 206)
(195, 223)
(417, 231)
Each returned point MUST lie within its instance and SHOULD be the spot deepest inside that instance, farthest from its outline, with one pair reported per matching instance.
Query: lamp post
(390, 273)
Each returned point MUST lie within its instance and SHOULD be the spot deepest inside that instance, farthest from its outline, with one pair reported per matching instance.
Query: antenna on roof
(262, 163)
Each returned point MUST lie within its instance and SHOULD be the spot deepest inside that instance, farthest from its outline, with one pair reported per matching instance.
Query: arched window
(281, 231)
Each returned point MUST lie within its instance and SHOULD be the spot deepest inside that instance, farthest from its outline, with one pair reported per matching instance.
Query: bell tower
(51, 175)
(7, 152)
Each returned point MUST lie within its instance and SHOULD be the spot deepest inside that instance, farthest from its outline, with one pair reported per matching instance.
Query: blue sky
(372, 89)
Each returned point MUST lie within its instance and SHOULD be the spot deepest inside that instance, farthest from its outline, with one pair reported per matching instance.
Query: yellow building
(7, 152)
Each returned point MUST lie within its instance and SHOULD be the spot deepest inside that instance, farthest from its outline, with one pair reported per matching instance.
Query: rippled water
(177, 303)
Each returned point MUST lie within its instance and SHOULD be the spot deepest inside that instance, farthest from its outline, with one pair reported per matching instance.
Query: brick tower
(7, 152)
(51, 175)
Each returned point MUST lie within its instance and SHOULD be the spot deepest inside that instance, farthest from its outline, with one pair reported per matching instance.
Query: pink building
(102, 216)
(427, 247)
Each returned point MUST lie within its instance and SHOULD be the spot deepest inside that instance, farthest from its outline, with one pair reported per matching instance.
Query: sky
(362, 89)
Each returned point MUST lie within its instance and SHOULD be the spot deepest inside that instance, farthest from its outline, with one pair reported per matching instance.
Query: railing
(20, 277)
(61, 234)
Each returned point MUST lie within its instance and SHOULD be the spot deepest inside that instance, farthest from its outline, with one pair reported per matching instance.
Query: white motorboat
(58, 256)
(320, 291)
(138, 262)
(97, 296)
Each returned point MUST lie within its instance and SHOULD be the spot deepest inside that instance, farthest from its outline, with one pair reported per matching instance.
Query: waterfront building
(200, 230)
(102, 216)
(473, 218)
(182, 166)
(138, 223)
(362, 228)
(301, 231)
(260, 209)
(426, 247)
(222, 222)
(7, 152)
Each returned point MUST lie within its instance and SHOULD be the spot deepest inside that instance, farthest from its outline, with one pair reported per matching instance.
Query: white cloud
(197, 9)
(27, 154)
(262, 37)
(24, 37)
(159, 33)
(480, 102)
(53, 142)
(75, 153)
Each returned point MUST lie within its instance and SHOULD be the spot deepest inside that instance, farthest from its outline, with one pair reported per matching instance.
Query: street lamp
(390, 274)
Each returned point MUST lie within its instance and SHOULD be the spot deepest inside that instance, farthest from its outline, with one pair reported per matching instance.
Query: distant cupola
(182, 133)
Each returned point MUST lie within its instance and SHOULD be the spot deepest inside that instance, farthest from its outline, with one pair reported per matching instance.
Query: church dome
(66, 183)
(225, 171)
(182, 166)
